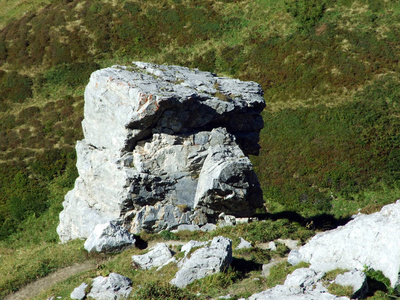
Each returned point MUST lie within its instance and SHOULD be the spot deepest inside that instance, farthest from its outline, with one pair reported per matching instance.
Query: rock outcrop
(164, 146)
(367, 241)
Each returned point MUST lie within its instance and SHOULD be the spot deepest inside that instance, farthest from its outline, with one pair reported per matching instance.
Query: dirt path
(35, 288)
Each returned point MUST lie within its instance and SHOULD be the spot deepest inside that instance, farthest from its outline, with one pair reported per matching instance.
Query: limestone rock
(208, 227)
(156, 257)
(302, 284)
(368, 240)
(79, 292)
(190, 245)
(114, 286)
(164, 146)
(355, 279)
(109, 237)
(205, 261)
(243, 244)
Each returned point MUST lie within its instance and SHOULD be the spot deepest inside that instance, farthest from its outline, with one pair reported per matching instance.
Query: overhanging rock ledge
(164, 146)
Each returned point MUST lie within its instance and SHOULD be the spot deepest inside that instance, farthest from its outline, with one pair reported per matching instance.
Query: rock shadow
(319, 222)
(245, 266)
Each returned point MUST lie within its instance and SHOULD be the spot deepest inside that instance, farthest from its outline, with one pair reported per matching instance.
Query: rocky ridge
(164, 146)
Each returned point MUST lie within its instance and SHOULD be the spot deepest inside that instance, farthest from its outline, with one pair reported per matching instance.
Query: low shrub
(160, 290)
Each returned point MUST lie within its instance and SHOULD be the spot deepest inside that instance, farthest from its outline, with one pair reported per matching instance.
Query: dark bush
(306, 12)
(15, 87)
(159, 290)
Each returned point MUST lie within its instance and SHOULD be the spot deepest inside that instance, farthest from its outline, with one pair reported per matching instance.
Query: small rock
(208, 227)
(114, 286)
(272, 246)
(242, 220)
(188, 227)
(109, 237)
(244, 244)
(225, 297)
(355, 279)
(302, 284)
(291, 244)
(79, 292)
(205, 261)
(266, 268)
(156, 257)
(226, 220)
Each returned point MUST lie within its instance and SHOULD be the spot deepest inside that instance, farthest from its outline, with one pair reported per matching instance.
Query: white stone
(368, 240)
(272, 246)
(109, 237)
(156, 257)
(205, 261)
(114, 286)
(291, 244)
(208, 227)
(79, 292)
(244, 244)
(357, 280)
(302, 284)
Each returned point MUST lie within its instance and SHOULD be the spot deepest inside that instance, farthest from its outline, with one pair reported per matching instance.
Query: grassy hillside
(329, 69)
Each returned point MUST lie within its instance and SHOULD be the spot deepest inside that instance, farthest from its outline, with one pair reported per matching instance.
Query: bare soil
(35, 288)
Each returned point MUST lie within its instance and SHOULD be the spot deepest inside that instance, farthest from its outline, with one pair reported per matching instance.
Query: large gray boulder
(205, 261)
(366, 241)
(109, 237)
(164, 146)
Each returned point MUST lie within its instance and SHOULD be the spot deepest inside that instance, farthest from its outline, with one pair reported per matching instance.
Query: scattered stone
(164, 146)
(291, 244)
(272, 246)
(190, 245)
(205, 261)
(244, 244)
(114, 286)
(225, 297)
(187, 227)
(208, 227)
(266, 268)
(355, 279)
(79, 292)
(109, 237)
(345, 247)
(302, 284)
(243, 220)
(226, 220)
(156, 257)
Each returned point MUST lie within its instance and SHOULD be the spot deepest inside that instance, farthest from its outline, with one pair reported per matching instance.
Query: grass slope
(329, 69)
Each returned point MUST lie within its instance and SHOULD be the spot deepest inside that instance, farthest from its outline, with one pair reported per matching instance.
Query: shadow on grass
(320, 222)
(245, 266)
(140, 243)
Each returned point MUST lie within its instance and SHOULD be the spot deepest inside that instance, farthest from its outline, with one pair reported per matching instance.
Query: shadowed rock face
(164, 146)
